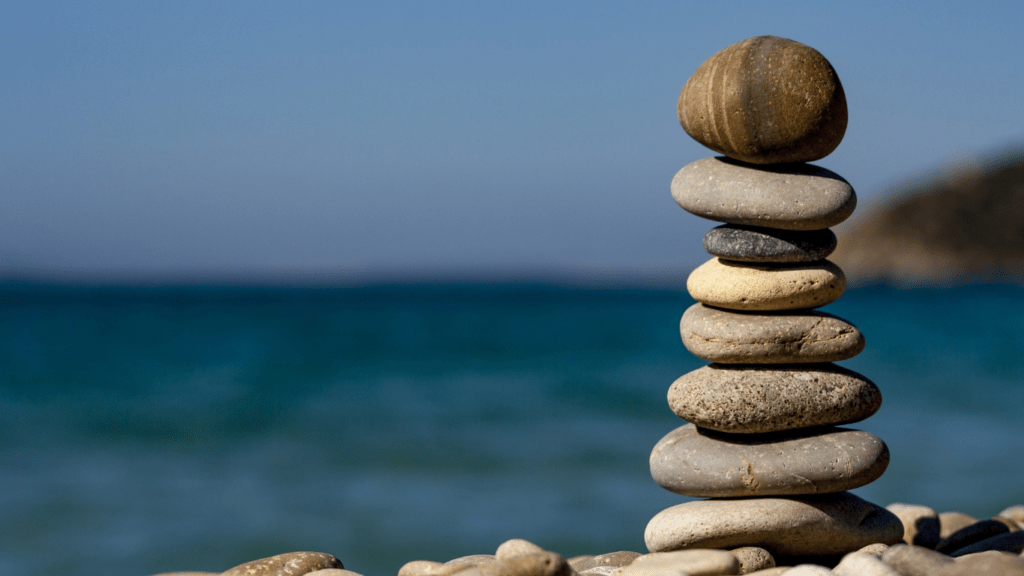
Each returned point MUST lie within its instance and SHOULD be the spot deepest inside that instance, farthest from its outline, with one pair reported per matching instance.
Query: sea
(152, 429)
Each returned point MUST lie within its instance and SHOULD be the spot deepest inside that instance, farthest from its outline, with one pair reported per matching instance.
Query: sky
(340, 141)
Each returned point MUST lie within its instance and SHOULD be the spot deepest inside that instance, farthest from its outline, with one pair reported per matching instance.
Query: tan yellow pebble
(749, 286)
(693, 562)
(862, 564)
(753, 558)
(920, 523)
(515, 547)
(951, 521)
(876, 549)
(290, 564)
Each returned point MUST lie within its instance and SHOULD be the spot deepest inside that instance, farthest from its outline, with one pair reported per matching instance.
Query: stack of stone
(762, 443)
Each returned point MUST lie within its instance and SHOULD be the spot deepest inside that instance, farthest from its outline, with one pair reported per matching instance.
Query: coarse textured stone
(758, 244)
(920, 524)
(1015, 513)
(911, 560)
(968, 535)
(731, 337)
(861, 564)
(809, 570)
(765, 100)
(693, 562)
(529, 564)
(695, 462)
(290, 564)
(796, 526)
(515, 547)
(951, 521)
(613, 559)
(789, 197)
(876, 549)
(747, 286)
(1005, 542)
(984, 564)
(749, 399)
(753, 558)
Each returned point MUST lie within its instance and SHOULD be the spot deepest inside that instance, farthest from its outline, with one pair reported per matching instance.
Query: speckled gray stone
(696, 462)
(828, 524)
(750, 399)
(755, 244)
(290, 564)
(738, 337)
(789, 196)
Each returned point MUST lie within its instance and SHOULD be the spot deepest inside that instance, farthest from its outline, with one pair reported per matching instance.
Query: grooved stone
(752, 399)
(756, 244)
(695, 462)
(766, 287)
(765, 100)
(790, 196)
(732, 337)
(827, 524)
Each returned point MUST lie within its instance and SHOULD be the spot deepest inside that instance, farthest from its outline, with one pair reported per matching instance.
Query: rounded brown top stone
(765, 100)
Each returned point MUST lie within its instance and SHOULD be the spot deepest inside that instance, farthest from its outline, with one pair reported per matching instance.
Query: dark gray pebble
(758, 244)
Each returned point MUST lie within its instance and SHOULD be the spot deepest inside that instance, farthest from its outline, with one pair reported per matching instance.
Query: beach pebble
(820, 525)
(612, 559)
(861, 564)
(693, 562)
(911, 560)
(516, 547)
(876, 549)
(422, 568)
(188, 574)
(768, 338)
(457, 564)
(765, 100)
(1012, 542)
(756, 244)
(601, 570)
(789, 197)
(777, 571)
(695, 462)
(753, 558)
(748, 286)
(951, 521)
(984, 564)
(758, 399)
(1015, 513)
(809, 570)
(529, 564)
(968, 535)
(290, 564)
(920, 523)
(334, 572)
(1010, 524)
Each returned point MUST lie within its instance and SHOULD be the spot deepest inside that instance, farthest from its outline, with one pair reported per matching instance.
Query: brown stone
(733, 337)
(920, 524)
(290, 564)
(765, 100)
(753, 558)
(752, 399)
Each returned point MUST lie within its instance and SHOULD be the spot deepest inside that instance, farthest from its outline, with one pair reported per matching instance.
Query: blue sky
(304, 139)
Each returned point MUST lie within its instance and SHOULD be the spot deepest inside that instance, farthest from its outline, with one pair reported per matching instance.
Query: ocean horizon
(153, 428)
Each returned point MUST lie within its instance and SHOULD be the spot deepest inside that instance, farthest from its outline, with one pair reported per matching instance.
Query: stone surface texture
(765, 100)
(530, 564)
(861, 564)
(757, 244)
(920, 523)
(703, 463)
(290, 564)
(911, 560)
(968, 535)
(753, 558)
(809, 570)
(692, 562)
(748, 286)
(756, 399)
(732, 337)
(984, 564)
(515, 547)
(789, 197)
(613, 559)
(829, 524)
(1012, 542)
(876, 549)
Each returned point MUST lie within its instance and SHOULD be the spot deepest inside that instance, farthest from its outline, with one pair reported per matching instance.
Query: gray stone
(755, 244)
(753, 558)
(920, 524)
(911, 560)
(951, 521)
(765, 100)
(822, 525)
(613, 559)
(695, 462)
(968, 535)
(752, 286)
(756, 399)
(733, 337)
(1005, 542)
(984, 564)
(290, 564)
(692, 562)
(862, 564)
(790, 197)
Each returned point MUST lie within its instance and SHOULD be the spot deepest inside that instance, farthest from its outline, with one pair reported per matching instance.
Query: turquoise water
(149, 430)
